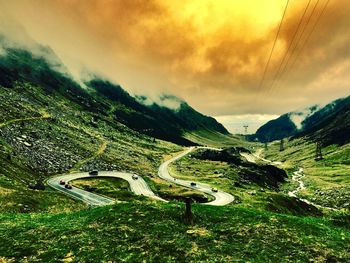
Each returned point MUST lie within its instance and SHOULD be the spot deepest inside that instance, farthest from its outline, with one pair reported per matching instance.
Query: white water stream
(296, 177)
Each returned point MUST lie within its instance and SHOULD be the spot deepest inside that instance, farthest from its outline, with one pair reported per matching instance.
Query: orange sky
(212, 53)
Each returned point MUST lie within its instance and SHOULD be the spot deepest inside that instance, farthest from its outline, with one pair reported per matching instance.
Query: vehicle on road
(135, 176)
(62, 182)
(193, 184)
(93, 172)
(68, 186)
(215, 190)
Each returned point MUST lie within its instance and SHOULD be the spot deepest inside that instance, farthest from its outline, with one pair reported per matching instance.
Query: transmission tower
(318, 155)
(245, 129)
(281, 145)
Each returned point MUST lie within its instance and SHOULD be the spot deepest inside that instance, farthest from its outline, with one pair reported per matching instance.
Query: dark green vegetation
(330, 124)
(155, 120)
(327, 180)
(104, 98)
(50, 125)
(333, 129)
(66, 139)
(155, 232)
(276, 129)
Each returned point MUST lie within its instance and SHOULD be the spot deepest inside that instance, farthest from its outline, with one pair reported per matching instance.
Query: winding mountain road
(138, 186)
(221, 198)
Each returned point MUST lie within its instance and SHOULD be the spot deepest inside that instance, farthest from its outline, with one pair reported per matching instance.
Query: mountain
(276, 129)
(153, 118)
(51, 124)
(299, 123)
(284, 126)
(103, 97)
(331, 129)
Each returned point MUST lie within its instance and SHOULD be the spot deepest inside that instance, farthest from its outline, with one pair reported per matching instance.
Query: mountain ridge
(311, 119)
(154, 120)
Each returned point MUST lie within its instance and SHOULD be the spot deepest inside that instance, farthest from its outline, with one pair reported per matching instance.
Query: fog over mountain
(307, 121)
(163, 47)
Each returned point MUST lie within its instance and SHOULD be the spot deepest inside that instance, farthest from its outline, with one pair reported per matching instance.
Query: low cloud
(167, 101)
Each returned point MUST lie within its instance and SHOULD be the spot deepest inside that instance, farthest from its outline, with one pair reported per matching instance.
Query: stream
(296, 177)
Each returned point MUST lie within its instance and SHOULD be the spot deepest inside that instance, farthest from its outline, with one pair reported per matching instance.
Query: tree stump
(188, 216)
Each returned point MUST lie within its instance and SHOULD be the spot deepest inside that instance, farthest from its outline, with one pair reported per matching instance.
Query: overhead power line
(310, 34)
(289, 46)
(298, 41)
(273, 46)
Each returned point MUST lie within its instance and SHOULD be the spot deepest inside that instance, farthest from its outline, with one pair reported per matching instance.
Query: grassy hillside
(42, 135)
(50, 125)
(253, 186)
(327, 181)
(140, 231)
(215, 139)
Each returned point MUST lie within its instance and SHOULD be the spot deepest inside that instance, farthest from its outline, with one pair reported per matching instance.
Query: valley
(251, 197)
(326, 180)
(48, 144)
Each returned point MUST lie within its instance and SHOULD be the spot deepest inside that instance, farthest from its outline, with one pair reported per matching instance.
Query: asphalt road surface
(138, 186)
(221, 198)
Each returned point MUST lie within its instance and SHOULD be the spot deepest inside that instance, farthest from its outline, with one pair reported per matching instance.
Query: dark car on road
(68, 186)
(193, 184)
(62, 182)
(93, 172)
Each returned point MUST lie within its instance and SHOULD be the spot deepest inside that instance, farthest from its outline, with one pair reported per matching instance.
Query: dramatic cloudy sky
(212, 53)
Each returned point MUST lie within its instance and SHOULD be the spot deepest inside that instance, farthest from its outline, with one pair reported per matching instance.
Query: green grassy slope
(140, 231)
(50, 125)
(253, 186)
(42, 135)
(215, 139)
(327, 181)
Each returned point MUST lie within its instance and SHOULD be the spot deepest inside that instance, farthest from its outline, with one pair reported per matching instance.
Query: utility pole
(265, 146)
(318, 155)
(282, 145)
